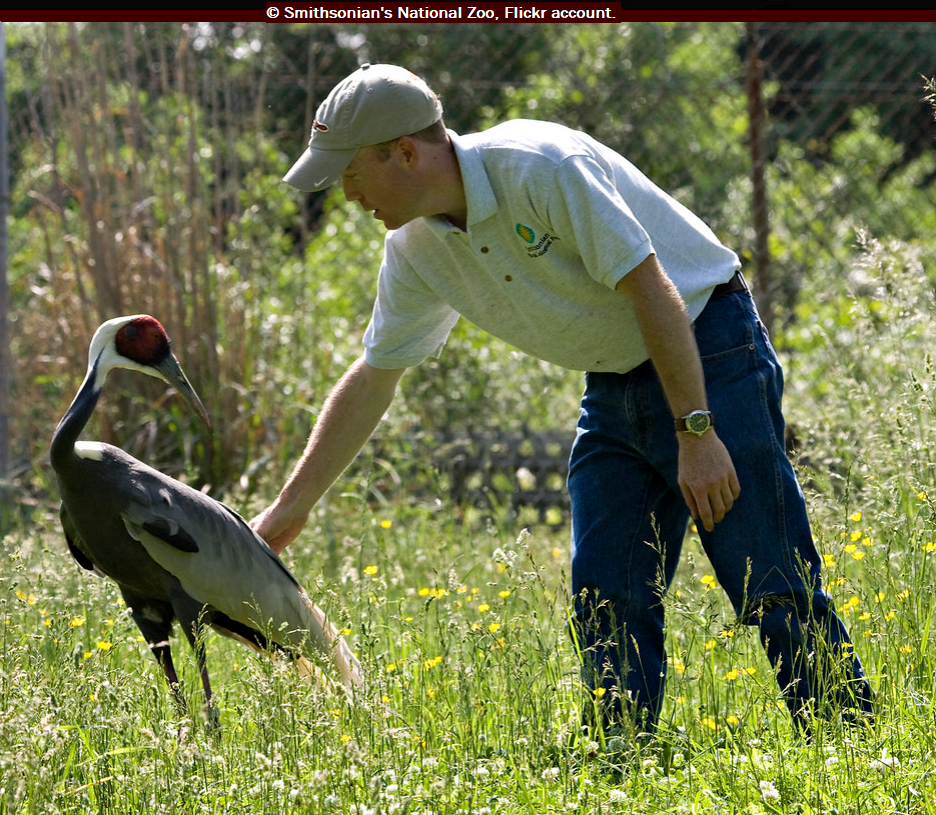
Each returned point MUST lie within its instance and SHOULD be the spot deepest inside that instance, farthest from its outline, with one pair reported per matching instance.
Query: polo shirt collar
(479, 195)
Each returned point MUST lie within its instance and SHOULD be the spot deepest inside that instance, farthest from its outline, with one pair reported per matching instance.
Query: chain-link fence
(146, 162)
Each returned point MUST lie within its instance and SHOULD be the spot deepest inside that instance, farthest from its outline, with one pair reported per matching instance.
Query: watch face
(698, 422)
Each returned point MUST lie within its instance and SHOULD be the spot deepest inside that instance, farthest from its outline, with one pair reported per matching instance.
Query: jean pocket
(726, 339)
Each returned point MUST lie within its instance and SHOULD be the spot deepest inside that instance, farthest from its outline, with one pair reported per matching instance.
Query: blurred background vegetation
(146, 165)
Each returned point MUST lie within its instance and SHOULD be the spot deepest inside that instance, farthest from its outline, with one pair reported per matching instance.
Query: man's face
(385, 187)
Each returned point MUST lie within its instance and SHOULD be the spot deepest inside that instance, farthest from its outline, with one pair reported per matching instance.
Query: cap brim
(318, 169)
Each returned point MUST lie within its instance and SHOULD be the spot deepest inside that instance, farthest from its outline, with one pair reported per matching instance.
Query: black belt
(735, 284)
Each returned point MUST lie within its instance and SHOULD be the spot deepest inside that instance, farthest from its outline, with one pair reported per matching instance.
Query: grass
(470, 704)
(472, 690)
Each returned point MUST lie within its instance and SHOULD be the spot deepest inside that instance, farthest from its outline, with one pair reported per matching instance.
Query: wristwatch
(698, 422)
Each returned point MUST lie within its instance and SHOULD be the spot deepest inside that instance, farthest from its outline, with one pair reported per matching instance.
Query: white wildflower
(768, 791)
(885, 763)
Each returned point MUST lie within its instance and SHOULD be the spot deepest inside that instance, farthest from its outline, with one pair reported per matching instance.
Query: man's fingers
(709, 509)
(708, 480)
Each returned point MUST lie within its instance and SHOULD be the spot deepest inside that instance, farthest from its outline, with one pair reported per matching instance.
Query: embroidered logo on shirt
(541, 247)
(537, 248)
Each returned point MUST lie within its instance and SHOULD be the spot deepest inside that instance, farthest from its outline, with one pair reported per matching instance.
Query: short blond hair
(434, 134)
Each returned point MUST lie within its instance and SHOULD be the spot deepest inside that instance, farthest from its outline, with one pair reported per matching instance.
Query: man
(557, 244)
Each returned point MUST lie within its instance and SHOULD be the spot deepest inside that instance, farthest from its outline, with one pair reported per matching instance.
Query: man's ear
(408, 150)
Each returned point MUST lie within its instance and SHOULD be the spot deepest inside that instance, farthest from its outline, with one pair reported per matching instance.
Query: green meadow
(459, 618)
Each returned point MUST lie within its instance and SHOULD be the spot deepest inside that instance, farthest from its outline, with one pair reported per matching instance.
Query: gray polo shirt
(555, 220)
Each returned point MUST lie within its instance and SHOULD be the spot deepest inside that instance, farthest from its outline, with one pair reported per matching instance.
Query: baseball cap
(377, 103)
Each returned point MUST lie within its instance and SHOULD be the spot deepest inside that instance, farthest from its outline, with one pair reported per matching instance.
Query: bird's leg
(198, 644)
(190, 614)
(163, 656)
(154, 620)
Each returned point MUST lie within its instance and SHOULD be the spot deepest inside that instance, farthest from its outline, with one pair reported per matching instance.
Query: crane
(175, 553)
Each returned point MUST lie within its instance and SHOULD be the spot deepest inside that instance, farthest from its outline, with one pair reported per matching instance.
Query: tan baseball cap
(377, 103)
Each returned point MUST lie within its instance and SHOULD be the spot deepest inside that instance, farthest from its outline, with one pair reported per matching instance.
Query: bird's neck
(76, 417)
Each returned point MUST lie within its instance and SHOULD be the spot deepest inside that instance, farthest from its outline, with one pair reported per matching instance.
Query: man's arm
(706, 474)
(352, 410)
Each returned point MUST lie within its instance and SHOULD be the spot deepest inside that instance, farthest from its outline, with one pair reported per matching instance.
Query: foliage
(824, 73)
(819, 210)
(149, 180)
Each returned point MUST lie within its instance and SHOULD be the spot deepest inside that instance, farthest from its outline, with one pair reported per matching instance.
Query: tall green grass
(472, 694)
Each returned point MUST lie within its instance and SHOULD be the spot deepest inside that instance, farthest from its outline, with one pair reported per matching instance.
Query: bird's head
(140, 343)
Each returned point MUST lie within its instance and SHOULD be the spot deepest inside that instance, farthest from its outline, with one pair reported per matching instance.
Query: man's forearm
(707, 475)
(668, 336)
(349, 416)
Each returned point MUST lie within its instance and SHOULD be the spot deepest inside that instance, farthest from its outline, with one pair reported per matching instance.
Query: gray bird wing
(222, 562)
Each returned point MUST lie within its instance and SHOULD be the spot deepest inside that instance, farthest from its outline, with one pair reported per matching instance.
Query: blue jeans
(629, 520)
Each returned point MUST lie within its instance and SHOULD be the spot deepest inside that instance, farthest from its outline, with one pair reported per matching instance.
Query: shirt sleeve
(409, 322)
(586, 204)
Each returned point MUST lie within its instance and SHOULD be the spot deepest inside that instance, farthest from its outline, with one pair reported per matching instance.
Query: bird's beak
(172, 372)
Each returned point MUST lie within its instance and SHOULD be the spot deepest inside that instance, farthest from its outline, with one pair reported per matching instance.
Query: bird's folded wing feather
(220, 561)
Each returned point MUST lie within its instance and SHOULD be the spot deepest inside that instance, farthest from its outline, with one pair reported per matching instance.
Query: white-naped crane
(175, 553)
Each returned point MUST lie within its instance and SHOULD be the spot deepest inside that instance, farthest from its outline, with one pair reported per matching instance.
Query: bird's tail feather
(326, 637)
